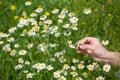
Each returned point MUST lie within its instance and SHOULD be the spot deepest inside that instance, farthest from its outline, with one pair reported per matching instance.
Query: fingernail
(82, 46)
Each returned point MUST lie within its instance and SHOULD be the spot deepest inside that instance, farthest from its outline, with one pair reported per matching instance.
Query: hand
(94, 48)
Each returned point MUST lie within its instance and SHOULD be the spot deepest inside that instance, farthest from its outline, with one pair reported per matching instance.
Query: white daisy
(87, 11)
(27, 3)
(22, 52)
(106, 68)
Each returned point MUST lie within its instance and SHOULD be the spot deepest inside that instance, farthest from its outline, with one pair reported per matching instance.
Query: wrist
(112, 58)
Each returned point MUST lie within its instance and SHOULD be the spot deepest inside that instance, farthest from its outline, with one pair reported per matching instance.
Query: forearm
(114, 58)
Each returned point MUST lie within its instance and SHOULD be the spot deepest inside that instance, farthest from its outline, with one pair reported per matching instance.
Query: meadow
(38, 38)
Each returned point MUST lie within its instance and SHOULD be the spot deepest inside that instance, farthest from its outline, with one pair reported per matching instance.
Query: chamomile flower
(55, 11)
(60, 20)
(73, 68)
(69, 42)
(64, 72)
(42, 47)
(64, 11)
(25, 71)
(105, 42)
(24, 13)
(90, 67)
(106, 68)
(30, 45)
(36, 28)
(66, 25)
(33, 14)
(62, 78)
(62, 59)
(12, 29)
(20, 25)
(29, 75)
(11, 39)
(19, 66)
(13, 52)
(22, 52)
(73, 20)
(81, 66)
(74, 73)
(31, 32)
(61, 16)
(74, 27)
(67, 33)
(72, 46)
(57, 34)
(20, 60)
(78, 78)
(66, 66)
(27, 62)
(100, 78)
(28, 3)
(16, 45)
(57, 74)
(87, 11)
(49, 67)
(43, 17)
(48, 21)
(39, 66)
(74, 60)
(7, 48)
(71, 14)
(39, 10)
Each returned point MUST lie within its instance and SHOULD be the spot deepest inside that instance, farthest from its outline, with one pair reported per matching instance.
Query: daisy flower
(73, 20)
(19, 66)
(81, 66)
(55, 11)
(27, 3)
(66, 66)
(22, 52)
(66, 25)
(106, 68)
(43, 17)
(90, 67)
(13, 52)
(74, 73)
(27, 62)
(29, 75)
(56, 74)
(20, 60)
(62, 78)
(39, 10)
(87, 11)
(62, 16)
(49, 67)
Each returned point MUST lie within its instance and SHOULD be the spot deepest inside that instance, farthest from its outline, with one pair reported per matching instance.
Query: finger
(90, 52)
(87, 47)
(98, 59)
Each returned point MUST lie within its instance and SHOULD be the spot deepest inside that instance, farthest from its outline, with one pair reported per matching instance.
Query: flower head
(106, 68)
(87, 11)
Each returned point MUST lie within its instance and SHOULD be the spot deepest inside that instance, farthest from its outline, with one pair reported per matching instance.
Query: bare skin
(93, 47)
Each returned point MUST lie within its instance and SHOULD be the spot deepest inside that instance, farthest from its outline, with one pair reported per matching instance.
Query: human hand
(94, 48)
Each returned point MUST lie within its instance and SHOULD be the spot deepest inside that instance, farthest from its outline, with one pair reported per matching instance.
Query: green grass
(102, 23)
